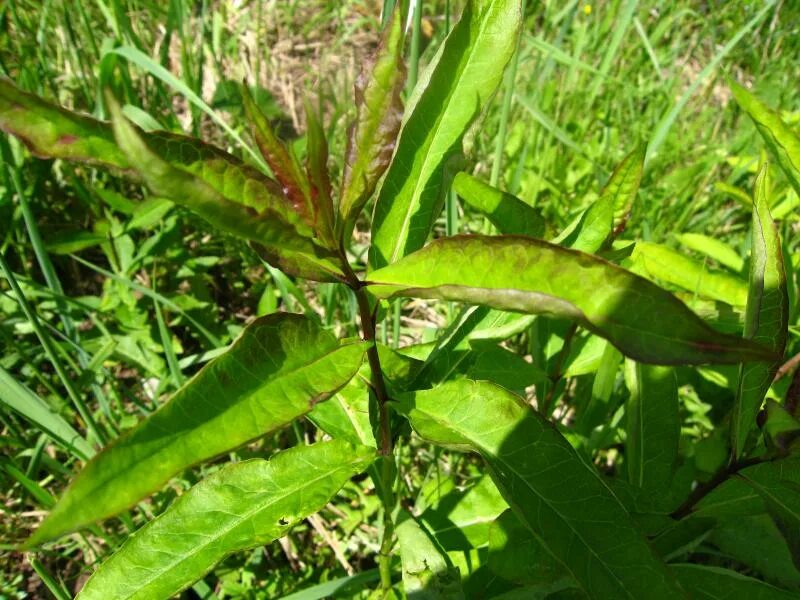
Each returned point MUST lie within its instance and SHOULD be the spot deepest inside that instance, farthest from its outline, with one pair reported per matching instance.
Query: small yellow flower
(587, 9)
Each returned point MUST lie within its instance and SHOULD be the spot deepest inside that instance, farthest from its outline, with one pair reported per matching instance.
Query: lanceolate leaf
(281, 160)
(525, 275)
(607, 216)
(278, 369)
(778, 484)
(449, 97)
(240, 506)
(282, 243)
(783, 143)
(653, 426)
(372, 136)
(318, 175)
(766, 316)
(714, 248)
(213, 183)
(552, 490)
(712, 583)
(427, 572)
(506, 212)
(623, 185)
(666, 264)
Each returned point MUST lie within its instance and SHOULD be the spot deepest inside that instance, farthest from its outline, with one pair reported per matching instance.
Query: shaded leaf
(653, 426)
(560, 498)
(756, 541)
(505, 211)
(275, 372)
(712, 583)
(782, 142)
(526, 275)
(241, 506)
(766, 315)
(516, 555)
(673, 267)
(371, 138)
(778, 484)
(427, 572)
(448, 98)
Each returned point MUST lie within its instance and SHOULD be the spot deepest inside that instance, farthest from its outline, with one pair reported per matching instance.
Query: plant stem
(388, 465)
(701, 491)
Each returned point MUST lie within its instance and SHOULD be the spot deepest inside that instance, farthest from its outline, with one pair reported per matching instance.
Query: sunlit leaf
(460, 519)
(608, 215)
(281, 239)
(241, 506)
(427, 572)
(218, 186)
(282, 161)
(783, 143)
(505, 211)
(278, 369)
(714, 248)
(560, 498)
(766, 315)
(371, 139)
(449, 96)
(526, 275)
(666, 264)
(318, 175)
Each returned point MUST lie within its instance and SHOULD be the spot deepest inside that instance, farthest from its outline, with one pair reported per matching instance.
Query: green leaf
(461, 519)
(673, 267)
(713, 248)
(516, 555)
(505, 211)
(782, 142)
(318, 175)
(653, 426)
(757, 542)
(427, 572)
(778, 484)
(526, 275)
(607, 216)
(278, 369)
(448, 98)
(371, 139)
(22, 400)
(560, 498)
(623, 185)
(713, 583)
(222, 198)
(50, 131)
(345, 415)
(283, 162)
(241, 506)
(766, 315)
(589, 232)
